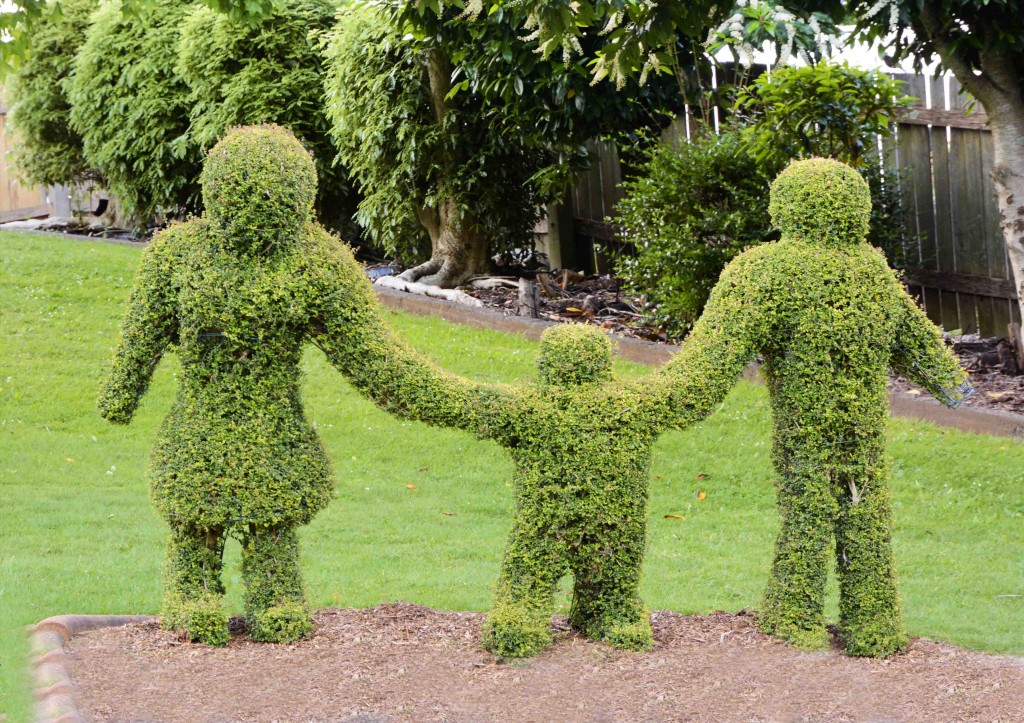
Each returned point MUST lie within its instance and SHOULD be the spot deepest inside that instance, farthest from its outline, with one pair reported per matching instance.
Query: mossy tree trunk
(458, 246)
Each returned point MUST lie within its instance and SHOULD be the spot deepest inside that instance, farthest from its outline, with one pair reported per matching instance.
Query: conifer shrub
(132, 110)
(265, 71)
(47, 151)
(238, 292)
(830, 318)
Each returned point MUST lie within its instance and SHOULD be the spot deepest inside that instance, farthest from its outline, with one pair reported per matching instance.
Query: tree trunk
(458, 247)
(1007, 125)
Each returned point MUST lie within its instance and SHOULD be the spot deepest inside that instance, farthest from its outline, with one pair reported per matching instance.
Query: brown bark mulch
(402, 662)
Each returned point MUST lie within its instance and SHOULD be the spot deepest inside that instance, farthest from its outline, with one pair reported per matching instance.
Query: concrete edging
(966, 419)
(55, 693)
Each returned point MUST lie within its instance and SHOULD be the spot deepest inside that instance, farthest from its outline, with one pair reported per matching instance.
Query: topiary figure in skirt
(238, 292)
(830, 318)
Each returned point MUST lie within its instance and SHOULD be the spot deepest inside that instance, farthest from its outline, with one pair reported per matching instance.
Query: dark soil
(403, 662)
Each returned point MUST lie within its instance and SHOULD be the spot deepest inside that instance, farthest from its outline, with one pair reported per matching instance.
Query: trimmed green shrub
(690, 208)
(47, 150)
(827, 110)
(581, 445)
(266, 71)
(830, 318)
(693, 206)
(131, 109)
(238, 292)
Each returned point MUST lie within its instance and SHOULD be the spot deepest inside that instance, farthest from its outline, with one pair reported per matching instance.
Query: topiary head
(259, 184)
(821, 201)
(572, 354)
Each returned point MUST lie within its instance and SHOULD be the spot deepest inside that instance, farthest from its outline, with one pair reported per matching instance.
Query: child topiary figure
(238, 291)
(830, 318)
(581, 443)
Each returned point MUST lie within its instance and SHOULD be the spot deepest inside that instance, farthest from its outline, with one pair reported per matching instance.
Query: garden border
(55, 694)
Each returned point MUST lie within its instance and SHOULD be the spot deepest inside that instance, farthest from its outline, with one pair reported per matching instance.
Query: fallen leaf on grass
(423, 469)
(674, 517)
(411, 486)
(69, 459)
(448, 514)
(702, 475)
(702, 495)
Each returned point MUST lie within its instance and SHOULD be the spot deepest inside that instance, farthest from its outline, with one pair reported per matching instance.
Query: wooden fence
(956, 265)
(16, 201)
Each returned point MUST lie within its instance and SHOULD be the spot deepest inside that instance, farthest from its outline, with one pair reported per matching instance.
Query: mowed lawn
(421, 514)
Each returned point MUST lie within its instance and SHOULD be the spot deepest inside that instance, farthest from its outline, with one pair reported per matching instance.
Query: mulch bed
(402, 662)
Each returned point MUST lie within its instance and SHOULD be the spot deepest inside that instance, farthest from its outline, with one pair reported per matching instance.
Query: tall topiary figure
(238, 291)
(830, 318)
(581, 443)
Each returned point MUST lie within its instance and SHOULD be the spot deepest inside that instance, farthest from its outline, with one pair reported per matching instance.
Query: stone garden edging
(55, 694)
(966, 419)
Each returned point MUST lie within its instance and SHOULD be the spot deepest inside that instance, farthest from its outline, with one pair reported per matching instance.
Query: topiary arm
(149, 325)
(350, 328)
(920, 355)
(726, 338)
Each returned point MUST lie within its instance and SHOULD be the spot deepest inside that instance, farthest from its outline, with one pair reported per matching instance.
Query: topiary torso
(236, 446)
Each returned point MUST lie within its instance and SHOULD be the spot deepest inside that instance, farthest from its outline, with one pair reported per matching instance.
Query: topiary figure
(830, 318)
(581, 443)
(238, 291)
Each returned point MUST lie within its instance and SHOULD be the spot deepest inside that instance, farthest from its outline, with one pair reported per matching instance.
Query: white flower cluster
(789, 28)
(894, 13)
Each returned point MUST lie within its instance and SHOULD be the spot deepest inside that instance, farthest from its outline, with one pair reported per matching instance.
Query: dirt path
(403, 662)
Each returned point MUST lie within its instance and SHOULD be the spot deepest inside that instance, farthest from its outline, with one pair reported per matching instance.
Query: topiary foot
(879, 639)
(512, 632)
(811, 639)
(636, 636)
(202, 621)
(284, 623)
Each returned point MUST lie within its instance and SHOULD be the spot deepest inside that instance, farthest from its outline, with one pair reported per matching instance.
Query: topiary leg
(794, 601)
(192, 585)
(275, 604)
(519, 623)
(606, 601)
(869, 611)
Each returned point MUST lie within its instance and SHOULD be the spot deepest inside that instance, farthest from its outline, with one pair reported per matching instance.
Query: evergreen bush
(47, 151)
(265, 71)
(131, 109)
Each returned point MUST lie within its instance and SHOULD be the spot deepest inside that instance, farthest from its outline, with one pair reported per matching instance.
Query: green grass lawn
(78, 535)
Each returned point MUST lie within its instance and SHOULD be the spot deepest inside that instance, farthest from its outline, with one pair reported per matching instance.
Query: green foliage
(820, 201)
(581, 445)
(689, 209)
(131, 110)
(268, 71)
(411, 150)
(48, 151)
(693, 206)
(830, 318)
(828, 110)
(258, 188)
(238, 296)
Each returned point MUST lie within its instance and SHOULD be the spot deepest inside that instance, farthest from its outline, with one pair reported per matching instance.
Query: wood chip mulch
(403, 662)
